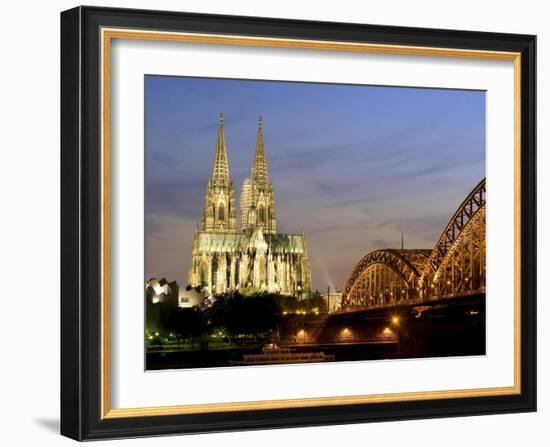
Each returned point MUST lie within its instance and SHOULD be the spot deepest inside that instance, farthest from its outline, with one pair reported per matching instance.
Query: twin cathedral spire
(257, 203)
(246, 254)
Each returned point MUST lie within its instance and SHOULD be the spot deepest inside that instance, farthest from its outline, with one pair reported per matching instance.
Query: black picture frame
(81, 224)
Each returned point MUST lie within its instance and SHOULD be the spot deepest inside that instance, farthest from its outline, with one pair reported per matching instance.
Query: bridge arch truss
(454, 267)
(384, 277)
(457, 263)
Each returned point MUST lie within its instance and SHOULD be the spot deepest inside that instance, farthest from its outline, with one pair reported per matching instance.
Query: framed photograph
(275, 223)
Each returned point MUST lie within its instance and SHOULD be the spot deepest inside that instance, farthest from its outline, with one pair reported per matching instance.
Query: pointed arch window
(221, 212)
(261, 214)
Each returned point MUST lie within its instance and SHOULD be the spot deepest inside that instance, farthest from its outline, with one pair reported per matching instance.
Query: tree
(185, 323)
(251, 315)
(316, 301)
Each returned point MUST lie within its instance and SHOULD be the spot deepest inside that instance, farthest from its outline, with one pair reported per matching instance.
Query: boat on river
(274, 354)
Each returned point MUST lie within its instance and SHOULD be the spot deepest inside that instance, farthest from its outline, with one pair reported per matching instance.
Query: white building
(189, 298)
(333, 299)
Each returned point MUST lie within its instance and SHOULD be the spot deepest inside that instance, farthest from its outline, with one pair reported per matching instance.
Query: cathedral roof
(240, 242)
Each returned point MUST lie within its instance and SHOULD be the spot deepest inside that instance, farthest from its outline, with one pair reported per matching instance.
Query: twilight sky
(354, 166)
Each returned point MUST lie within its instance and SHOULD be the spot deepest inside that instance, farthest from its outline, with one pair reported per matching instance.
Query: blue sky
(354, 166)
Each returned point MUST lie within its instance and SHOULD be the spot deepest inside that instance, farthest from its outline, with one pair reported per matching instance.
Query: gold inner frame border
(107, 35)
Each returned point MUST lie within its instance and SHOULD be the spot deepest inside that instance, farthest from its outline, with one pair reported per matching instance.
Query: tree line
(231, 314)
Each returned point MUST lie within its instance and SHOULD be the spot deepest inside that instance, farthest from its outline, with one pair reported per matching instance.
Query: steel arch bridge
(454, 267)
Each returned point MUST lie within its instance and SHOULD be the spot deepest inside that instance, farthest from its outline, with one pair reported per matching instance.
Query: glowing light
(395, 319)
(387, 331)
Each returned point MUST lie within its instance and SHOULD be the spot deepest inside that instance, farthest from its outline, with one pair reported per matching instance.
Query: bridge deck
(406, 305)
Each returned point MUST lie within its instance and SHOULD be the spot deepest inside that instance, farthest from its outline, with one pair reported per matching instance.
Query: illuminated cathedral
(246, 254)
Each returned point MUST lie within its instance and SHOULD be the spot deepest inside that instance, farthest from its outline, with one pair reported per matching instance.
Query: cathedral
(246, 253)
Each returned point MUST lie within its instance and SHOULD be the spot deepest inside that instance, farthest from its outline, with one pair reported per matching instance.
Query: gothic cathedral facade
(246, 254)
